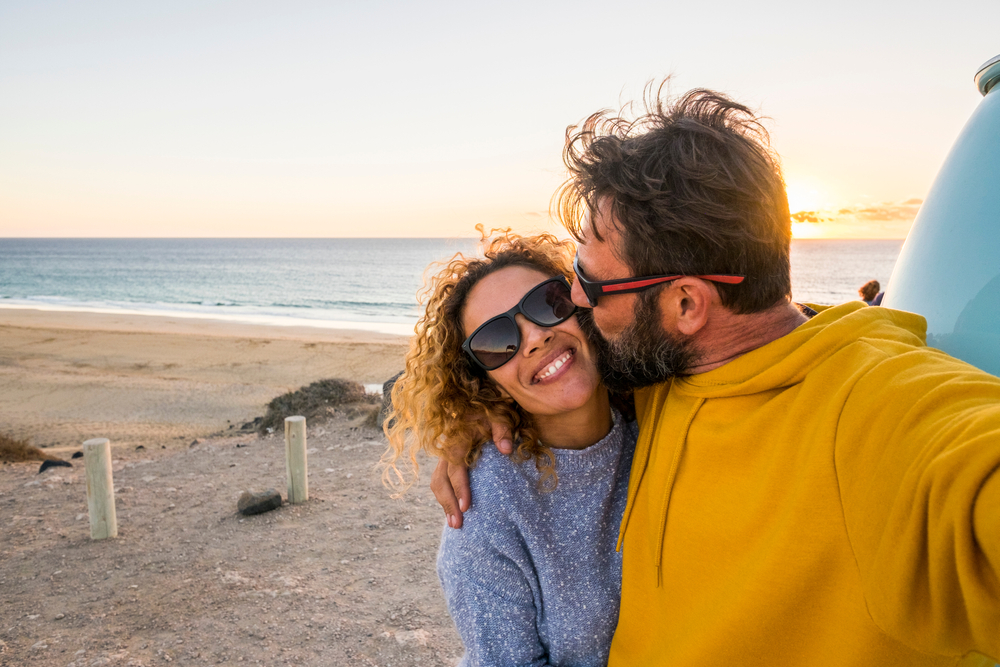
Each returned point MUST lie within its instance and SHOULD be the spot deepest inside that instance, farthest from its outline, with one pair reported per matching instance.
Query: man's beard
(643, 354)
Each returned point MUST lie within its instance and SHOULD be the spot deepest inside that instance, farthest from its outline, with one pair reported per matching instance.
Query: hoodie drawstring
(675, 463)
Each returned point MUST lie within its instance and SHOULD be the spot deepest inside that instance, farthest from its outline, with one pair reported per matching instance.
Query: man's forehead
(599, 257)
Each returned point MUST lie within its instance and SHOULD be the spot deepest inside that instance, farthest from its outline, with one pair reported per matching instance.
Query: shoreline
(134, 321)
(66, 377)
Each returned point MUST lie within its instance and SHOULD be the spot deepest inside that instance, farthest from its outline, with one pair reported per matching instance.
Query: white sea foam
(400, 328)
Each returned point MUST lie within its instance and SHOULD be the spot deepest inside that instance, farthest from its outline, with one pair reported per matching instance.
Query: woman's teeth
(555, 365)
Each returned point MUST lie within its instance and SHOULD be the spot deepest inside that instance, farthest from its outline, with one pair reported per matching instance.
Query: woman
(533, 577)
(869, 291)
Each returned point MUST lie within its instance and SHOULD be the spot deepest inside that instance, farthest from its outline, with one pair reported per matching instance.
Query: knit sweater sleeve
(488, 594)
(918, 462)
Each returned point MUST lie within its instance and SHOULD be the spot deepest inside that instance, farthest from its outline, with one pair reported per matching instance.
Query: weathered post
(295, 460)
(100, 489)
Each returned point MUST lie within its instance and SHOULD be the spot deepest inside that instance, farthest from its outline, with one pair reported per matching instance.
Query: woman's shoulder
(498, 472)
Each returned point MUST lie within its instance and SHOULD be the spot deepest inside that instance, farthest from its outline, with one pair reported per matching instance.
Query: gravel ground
(346, 578)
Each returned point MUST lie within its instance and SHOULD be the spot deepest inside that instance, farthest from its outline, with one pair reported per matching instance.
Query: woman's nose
(533, 336)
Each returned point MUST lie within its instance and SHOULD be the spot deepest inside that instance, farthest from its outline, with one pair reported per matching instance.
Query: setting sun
(803, 196)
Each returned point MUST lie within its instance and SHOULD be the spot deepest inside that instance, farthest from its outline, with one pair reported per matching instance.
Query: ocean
(367, 284)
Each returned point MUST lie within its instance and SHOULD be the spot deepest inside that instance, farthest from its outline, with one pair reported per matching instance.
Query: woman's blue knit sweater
(533, 578)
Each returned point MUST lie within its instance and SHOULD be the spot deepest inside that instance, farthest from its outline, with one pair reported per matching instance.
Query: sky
(408, 119)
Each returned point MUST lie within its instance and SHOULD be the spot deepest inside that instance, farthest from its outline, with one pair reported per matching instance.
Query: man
(808, 488)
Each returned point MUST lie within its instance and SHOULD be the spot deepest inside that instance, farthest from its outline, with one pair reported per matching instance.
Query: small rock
(419, 636)
(77, 455)
(52, 464)
(252, 426)
(39, 646)
(60, 617)
(81, 516)
(257, 503)
(140, 447)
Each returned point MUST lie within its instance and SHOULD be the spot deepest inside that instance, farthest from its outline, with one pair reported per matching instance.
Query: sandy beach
(67, 377)
(345, 579)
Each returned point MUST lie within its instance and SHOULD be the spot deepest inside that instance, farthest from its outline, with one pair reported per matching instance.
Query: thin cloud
(883, 212)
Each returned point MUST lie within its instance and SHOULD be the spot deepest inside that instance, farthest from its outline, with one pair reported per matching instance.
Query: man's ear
(687, 304)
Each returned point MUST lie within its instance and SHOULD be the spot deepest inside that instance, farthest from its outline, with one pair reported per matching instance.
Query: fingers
(444, 492)
(459, 476)
(501, 438)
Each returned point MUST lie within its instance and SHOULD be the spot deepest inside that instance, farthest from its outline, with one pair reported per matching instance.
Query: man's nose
(579, 296)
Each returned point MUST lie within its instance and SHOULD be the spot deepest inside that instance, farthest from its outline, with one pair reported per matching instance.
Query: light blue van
(949, 267)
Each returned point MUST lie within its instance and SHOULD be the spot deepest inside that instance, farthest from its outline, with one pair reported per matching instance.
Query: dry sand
(68, 377)
(344, 579)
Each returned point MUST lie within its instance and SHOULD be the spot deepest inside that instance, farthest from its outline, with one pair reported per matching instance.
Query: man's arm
(918, 461)
(450, 483)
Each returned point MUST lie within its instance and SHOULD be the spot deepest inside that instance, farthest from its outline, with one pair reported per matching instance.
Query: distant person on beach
(806, 490)
(869, 291)
(533, 578)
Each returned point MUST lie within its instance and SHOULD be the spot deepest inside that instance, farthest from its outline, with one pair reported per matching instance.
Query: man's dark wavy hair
(694, 188)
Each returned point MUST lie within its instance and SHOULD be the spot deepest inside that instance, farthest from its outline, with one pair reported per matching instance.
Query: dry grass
(316, 401)
(13, 451)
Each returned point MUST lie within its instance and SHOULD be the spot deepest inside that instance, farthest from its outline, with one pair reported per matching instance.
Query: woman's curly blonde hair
(442, 397)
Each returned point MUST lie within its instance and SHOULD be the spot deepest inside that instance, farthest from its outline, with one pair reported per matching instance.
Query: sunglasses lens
(496, 343)
(549, 304)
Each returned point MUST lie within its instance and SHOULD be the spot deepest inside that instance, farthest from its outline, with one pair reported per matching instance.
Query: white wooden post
(295, 460)
(100, 489)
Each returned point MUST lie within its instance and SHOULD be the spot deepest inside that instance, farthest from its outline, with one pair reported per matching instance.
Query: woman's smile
(552, 370)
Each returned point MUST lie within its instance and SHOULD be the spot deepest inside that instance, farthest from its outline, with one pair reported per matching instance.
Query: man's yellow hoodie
(832, 498)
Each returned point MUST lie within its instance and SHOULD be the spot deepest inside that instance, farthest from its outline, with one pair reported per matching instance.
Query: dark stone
(252, 426)
(139, 447)
(387, 397)
(77, 455)
(257, 503)
(51, 463)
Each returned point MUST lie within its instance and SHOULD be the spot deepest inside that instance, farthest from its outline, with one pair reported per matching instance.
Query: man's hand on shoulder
(450, 482)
